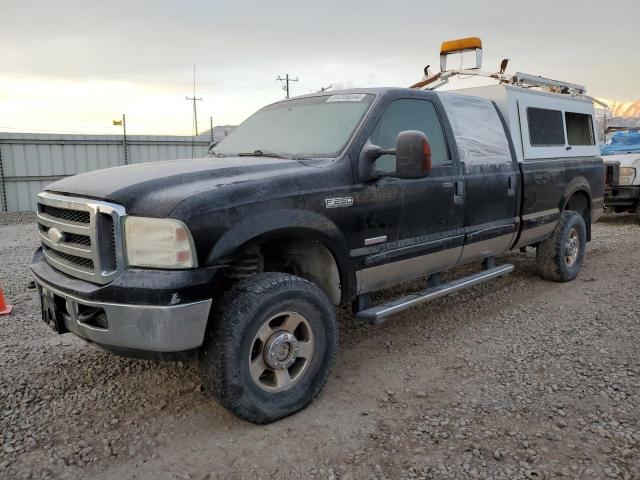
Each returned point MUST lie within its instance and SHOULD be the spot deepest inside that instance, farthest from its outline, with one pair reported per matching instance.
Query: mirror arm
(377, 173)
(369, 154)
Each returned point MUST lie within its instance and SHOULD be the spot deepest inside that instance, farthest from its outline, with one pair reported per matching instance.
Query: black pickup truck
(240, 258)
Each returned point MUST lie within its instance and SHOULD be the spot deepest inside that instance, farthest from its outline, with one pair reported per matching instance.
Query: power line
(286, 81)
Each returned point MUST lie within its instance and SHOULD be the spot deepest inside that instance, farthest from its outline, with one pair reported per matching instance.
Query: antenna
(194, 99)
(286, 81)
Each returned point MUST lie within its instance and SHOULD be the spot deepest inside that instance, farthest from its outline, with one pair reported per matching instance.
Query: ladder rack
(474, 44)
(556, 86)
(519, 79)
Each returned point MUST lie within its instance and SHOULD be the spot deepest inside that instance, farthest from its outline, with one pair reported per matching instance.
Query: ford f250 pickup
(240, 258)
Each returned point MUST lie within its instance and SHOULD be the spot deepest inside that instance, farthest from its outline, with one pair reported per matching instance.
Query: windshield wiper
(259, 153)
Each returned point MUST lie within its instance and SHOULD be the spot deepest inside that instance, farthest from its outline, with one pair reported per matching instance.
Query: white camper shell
(543, 125)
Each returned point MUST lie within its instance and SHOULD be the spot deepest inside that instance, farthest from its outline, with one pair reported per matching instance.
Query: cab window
(409, 114)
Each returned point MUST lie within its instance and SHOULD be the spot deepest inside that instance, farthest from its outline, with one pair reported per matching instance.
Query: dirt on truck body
(319, 201)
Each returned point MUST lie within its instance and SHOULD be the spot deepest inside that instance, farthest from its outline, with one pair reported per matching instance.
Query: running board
(376, 315)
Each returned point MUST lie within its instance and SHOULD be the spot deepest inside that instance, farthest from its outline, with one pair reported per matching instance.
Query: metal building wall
(29, 162)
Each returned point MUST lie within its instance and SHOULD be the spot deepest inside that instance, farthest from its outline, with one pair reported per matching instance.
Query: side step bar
(376, 315)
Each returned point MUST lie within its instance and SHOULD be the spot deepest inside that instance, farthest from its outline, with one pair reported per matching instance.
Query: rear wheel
(560, 256)
(270, 346)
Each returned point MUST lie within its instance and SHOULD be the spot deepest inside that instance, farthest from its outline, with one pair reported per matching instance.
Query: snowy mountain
(619, 114)
(623, 109)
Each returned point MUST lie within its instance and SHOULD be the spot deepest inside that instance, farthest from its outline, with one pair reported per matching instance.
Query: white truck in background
(621, 156)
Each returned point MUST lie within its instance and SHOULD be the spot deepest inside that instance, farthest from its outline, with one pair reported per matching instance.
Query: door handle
(458, 193)
(511, 185)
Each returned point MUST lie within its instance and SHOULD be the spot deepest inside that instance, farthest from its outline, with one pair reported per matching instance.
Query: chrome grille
(81, 237)
(75, 216)
(80, 261)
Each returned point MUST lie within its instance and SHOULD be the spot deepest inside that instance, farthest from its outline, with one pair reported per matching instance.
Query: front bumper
(175, 324)
(618, 196)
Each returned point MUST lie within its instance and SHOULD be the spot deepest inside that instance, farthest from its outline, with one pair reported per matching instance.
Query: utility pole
(194, 99)
(286, 81)
(125, 147)
(124, 138)
(211, 122)
(2, 186)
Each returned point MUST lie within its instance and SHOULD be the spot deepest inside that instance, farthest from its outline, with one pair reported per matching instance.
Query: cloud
(87, 59)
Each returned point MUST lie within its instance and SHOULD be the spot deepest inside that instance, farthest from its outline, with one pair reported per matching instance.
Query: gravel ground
(520, 378)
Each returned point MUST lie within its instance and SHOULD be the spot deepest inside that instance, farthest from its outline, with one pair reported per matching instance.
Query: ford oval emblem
(55, 235)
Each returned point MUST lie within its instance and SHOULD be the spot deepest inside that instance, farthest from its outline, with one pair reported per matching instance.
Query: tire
(560, 256)
(637, 212)
(253, 325)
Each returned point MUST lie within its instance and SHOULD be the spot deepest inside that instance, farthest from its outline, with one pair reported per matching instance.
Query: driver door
(428, 210)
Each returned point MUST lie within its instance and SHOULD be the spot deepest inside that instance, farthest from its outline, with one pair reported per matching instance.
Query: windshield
(305, 127)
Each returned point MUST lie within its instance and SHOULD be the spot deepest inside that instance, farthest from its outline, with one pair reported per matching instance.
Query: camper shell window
(546, 128)
(579, 128)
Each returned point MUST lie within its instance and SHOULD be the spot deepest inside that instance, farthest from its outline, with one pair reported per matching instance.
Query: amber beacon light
(459, 47)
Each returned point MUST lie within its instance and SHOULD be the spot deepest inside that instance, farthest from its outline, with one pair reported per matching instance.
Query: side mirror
(413, 154)
(413, 157)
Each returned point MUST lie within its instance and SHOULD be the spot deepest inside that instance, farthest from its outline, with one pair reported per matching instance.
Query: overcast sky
(73, 66)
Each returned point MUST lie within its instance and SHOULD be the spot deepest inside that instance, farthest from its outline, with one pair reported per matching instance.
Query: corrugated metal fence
(28, 162)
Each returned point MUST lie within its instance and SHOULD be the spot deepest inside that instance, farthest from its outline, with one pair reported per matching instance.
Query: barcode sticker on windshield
(347, 97)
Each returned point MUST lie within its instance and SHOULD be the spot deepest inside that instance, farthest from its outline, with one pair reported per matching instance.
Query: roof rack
(459, 47)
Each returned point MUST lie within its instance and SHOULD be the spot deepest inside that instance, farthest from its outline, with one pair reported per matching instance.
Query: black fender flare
(264, 226)
(577, 184)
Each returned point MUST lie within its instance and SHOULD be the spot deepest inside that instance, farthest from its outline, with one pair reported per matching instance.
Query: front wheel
(560, 256)
(270, 346)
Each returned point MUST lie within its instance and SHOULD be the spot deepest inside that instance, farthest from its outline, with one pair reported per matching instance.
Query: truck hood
(624, 159)
(156, 188)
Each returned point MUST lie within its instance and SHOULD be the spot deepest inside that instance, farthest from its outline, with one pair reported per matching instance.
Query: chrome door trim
(381, 276)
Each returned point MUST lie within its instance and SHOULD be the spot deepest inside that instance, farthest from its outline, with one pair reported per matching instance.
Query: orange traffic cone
(4, 308)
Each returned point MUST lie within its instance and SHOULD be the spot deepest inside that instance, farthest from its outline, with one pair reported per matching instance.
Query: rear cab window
(478, 130)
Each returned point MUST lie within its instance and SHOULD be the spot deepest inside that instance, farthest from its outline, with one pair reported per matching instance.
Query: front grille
(612, 173)
(81, 237)
(65, 214)
(80, 261)
(78, 239)
(74, 238)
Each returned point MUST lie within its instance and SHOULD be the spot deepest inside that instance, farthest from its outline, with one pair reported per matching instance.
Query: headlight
(627, 175)
(158, 242)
